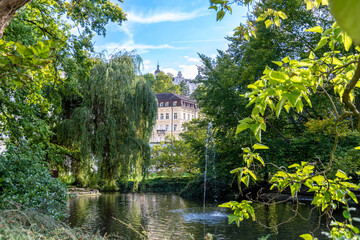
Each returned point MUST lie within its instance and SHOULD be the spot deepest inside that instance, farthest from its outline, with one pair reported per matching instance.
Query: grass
(17, 223)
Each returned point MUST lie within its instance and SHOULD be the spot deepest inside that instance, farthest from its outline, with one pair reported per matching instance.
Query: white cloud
(189, 71)
(131, 45)
(170, 70)
(201, 41)
(167, 16)
(148, 66)
(190, 59)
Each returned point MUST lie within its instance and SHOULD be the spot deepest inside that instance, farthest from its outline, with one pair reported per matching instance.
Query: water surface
(168, 216)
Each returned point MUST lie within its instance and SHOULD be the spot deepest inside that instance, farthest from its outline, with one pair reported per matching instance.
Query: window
(188, 116)
(184, 116)
(167, 116)
(192, 116)
(166, 127)
(161, 104)
(161, 116)
(174, 104)
(175, 127)
(175, 115)
(157, 116)
(166, 104)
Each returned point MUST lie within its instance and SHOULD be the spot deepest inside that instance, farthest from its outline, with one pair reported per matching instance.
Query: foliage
(157, 184)
(42, 59)
(150, 78)
(287, 87)
(174, 157)
(164, 84)
(184, 88)
(226, 78)
(26, 180)
(111, 128)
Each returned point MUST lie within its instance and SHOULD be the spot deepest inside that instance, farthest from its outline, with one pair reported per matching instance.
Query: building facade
(173, 111)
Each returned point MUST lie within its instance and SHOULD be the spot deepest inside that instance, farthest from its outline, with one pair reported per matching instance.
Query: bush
(25, 179)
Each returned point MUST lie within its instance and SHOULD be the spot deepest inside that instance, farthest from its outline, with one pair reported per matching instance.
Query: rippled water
(167, 216)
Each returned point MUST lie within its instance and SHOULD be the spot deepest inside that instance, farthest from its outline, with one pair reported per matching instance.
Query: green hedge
(173, 185)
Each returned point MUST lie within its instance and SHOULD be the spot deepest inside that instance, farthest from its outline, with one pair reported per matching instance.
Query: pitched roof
(173, 97)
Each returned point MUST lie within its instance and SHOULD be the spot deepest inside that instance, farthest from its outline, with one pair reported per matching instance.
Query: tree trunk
(8, 9)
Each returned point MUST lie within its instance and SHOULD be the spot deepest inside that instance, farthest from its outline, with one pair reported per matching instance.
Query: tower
(158, 69)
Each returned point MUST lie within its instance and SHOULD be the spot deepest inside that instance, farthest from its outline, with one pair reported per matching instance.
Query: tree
(164, 84)
(174, 157)
(184, 88)
(41, 63)
(112, 126)
(287, 88)
(8, 10)
(150, 78)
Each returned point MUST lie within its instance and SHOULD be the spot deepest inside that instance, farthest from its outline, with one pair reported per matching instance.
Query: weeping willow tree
(109, 132)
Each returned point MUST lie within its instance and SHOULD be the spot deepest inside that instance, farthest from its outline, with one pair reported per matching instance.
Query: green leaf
(346, 214)
(278, 63)
(278, 77)
(294, 165)
(317, 29)
(241, 127)
(319, 179)
(353, 197)
(347, 41)
(220, 15)
(323, 41)
(282, 15)
(213, 7)
(257, 146)
(277, 21)
(341, 174)
(234, 218)
(306, 236)
(268, 23)
(346, 15)
(279, 106)
(357, 148)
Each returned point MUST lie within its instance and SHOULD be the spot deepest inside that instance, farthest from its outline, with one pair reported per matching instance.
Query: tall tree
(113, 124)
(164, 84)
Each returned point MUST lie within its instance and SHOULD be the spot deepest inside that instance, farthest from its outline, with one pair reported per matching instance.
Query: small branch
(346, 97)
(332, 102)
(336, 140)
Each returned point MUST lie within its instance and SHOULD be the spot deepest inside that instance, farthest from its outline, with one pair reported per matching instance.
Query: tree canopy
(113, 123)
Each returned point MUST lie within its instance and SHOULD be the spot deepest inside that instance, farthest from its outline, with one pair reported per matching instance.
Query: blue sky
(171, 32)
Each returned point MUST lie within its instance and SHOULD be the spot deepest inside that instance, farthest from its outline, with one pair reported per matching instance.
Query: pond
(168, 216)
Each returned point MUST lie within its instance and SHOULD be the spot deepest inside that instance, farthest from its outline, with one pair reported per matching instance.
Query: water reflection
(167, 216)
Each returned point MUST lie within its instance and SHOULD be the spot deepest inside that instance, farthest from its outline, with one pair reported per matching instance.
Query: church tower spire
(158, 69)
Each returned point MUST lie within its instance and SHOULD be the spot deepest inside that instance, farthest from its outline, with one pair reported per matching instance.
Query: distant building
(191, 83)
(173, 111)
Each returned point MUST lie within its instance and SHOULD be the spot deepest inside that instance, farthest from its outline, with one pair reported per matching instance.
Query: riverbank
(77, 192)
(19, 223)
(155, 185)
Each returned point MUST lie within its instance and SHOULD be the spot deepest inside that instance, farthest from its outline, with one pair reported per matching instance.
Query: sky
(171, 32)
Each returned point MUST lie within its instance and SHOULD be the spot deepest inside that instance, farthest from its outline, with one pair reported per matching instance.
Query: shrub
(25, 179)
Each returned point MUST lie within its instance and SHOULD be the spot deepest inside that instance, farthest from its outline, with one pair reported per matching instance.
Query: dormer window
(161, 104)
(174, 104)
(166, 104)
